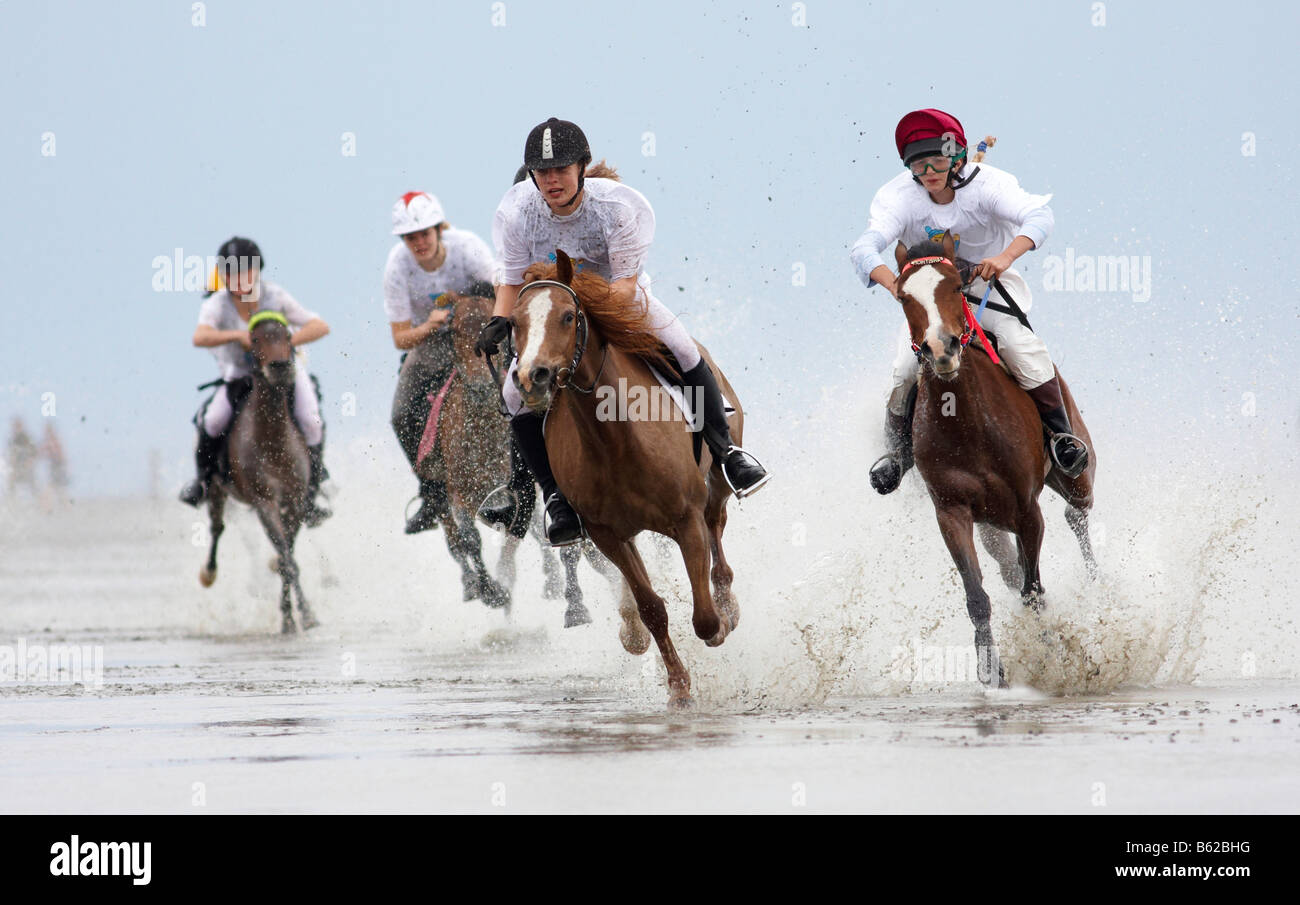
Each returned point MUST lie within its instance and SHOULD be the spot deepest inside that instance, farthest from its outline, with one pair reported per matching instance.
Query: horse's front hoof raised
(576, 615)
(634, 636)
(207, 576)
(493, 594)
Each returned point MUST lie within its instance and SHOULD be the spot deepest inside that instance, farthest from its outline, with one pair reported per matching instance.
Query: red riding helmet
(923, 133)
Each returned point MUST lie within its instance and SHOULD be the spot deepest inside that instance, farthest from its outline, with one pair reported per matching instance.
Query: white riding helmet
(415, 211)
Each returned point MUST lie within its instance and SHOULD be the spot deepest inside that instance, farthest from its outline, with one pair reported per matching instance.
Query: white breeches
(666, 326)
(306, 410)
(1024, 352)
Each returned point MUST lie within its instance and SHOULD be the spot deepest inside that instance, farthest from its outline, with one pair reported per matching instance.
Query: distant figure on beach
(56, 462)
(20, 456)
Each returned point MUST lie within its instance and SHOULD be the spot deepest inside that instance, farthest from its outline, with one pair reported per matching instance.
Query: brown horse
(978, 443)
(269, 465)
(625, 476)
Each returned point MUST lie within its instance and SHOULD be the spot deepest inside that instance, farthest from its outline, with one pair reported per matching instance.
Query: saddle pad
(430, 435)
(679, 398)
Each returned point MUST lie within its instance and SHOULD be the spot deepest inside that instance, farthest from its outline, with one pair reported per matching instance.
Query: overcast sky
(759, 132)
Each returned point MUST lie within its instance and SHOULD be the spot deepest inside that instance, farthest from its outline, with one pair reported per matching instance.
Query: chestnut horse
(269, 464)
(625, 476)
(474, 443)
(978, 443)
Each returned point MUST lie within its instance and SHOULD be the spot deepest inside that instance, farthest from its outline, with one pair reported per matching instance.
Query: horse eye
(568, 318)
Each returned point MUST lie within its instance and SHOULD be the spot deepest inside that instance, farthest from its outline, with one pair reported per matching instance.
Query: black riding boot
(1068, 452)
(205, 460)
(889, 469)
(742, 471)
(510, 506)
(317, 510)
(433, 506)
(563, 526)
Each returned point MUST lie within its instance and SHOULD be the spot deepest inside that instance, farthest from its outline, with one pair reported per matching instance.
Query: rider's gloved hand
(494, 333)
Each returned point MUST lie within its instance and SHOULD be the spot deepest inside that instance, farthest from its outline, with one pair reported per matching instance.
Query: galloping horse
(978, 443)
(269, 463)
(625, 477)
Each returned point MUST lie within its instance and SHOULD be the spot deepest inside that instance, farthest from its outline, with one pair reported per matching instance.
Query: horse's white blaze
(539, 310)
(921, 286)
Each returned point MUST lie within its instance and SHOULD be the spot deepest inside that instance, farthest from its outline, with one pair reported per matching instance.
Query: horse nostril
(540, 375)
(950, 345)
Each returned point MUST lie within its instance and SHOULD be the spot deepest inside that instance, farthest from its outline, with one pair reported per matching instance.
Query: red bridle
(972, 326)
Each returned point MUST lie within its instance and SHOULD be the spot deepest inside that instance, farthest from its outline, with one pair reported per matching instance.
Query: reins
(564, 376)
(973, 327)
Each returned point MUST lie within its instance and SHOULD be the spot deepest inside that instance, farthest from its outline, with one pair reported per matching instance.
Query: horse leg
(650, 607)
(506, 563)
(1030, 535)
(958, 531)
(693, 541)
(632, 632)
(998, 545)
(456, 547)
(552, 588)
(308, 617)
(471, 545)
(216, 511)
(575, 613)
(1077, 519)
(715, 516)
(274, 527)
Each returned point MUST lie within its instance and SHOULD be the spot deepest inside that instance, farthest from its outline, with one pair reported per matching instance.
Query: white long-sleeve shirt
(984, 216)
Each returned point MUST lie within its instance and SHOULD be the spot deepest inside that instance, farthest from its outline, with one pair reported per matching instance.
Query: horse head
(929, 289)
(272, 352)
(470, 314)
(550, 333)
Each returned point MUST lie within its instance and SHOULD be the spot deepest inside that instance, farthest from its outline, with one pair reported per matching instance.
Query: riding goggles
(939, 164)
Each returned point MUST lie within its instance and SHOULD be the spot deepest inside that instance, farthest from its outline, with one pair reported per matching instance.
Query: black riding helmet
(557, 143)
(237, 251)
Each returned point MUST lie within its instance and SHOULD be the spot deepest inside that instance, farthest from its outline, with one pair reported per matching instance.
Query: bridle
(971, 324)
(564, 376)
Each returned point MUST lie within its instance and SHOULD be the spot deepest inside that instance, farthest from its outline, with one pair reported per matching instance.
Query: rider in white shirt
(223, 327)
(432, 259)
(607, 227)
(994, 221)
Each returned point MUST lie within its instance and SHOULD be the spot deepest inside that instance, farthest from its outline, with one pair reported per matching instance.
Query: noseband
(971, 325)
(564, 376)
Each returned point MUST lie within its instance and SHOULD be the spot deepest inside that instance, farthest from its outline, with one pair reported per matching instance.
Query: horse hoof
(493, 594)
(309, 622)
(576, 615)
(635, 639)
(287, 627)
(207, 576)
(681, 702)
(716, 640)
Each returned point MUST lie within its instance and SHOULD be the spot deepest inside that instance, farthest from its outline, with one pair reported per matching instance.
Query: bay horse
(978, 443)
(625, 477)
(476, 452)
(269, 464)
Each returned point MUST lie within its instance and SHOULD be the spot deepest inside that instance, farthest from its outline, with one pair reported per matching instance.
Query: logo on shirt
(439, 300)
(936, 235)
(578, 263)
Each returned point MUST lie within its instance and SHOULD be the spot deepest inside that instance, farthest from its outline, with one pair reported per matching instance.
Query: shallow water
(837, 693)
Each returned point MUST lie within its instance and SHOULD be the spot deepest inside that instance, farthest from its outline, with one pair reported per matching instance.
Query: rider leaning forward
(606, 227)
(994, 221)
(431, 260)
(223, 328)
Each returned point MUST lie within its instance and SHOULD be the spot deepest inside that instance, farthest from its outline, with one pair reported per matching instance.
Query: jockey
(223, 327)
(994, 221)
(432, 258)
(608, 227)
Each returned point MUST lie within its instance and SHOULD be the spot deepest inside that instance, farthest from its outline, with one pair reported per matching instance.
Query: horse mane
(602, 170)
(623, 326)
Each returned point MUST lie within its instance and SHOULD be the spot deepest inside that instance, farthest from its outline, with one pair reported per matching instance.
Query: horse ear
(900, 255)
(565, 267)
(949, 246)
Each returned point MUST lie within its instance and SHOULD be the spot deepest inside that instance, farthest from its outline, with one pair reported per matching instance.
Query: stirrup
(546, 522)
(500, 498)
(895, 478)
(1080, 464)
(407, 514)
(753, 488)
